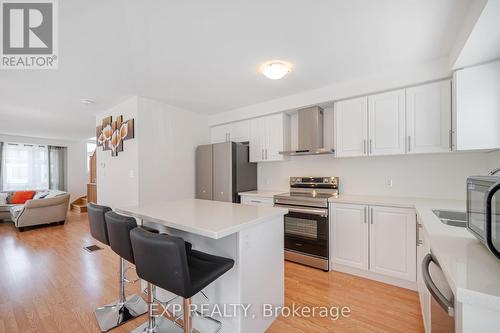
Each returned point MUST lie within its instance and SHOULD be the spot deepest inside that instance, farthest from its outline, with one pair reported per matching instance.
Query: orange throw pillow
(20, 197)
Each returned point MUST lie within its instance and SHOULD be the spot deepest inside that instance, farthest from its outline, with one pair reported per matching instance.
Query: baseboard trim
(374, 276)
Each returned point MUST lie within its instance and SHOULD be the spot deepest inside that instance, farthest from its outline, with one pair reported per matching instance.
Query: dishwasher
(442, 299)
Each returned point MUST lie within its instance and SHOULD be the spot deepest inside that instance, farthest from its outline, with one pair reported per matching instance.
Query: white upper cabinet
(269, 135)
(393, 250)
(238, 132)
(219, 133)
(387, 123)
(428, 118)
(349, 235)
(476, 117)
(275, 137)
(351, 127)
(257, 139)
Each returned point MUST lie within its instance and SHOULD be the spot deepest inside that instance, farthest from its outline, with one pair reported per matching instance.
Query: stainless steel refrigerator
(223, 170)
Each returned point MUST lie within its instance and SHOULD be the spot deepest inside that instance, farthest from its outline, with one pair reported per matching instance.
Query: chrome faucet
(494, 171)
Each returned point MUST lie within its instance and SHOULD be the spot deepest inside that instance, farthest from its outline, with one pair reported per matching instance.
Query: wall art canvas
(111, 134)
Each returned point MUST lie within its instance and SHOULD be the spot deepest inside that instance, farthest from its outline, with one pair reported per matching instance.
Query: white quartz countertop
(471, 270)
(375, 200)
(263, 193)
(207, 218)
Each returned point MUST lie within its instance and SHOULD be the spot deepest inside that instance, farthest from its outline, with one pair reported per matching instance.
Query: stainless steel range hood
(310, 134)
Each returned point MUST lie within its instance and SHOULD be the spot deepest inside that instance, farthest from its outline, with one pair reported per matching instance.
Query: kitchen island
(251, 235)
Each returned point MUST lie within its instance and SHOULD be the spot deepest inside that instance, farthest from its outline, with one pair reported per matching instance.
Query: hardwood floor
(48, 283)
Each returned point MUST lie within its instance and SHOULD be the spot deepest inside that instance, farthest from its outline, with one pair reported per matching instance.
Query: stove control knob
(326, 180)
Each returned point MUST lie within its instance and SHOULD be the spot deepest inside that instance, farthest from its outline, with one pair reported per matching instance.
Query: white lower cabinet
(350, 235)
(393, 242)
(257, 201)
(376, 239)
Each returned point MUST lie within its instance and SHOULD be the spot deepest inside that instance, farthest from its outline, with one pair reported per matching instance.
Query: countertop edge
(203, 232)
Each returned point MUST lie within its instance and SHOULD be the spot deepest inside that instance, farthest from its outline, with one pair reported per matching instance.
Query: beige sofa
(5, 211)
(40, 211)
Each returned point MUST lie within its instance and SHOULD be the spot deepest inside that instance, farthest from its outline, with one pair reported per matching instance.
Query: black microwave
(483, 210)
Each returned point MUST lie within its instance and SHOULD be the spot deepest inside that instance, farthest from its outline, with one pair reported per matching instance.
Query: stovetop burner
(309, 191)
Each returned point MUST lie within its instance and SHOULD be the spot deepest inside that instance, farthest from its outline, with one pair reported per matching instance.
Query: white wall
(429, 175)
(168, 138)
(117, 176)
(76, 171)
(159, 163)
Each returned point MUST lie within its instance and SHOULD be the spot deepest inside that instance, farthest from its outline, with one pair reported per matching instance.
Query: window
(25, 167)
(91, 146)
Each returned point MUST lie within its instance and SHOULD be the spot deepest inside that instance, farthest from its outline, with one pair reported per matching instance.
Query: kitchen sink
(453, 218)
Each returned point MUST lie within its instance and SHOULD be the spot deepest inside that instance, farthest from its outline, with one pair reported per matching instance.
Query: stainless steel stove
(307, 224)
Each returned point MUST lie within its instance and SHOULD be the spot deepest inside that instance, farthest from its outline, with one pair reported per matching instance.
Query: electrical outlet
(389, 182)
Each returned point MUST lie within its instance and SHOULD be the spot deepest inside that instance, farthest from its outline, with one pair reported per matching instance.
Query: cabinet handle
(266, 154)
(364, 146)
(255, 201)
(450, 139)
(366, 213)
(409, 143)
(371, 215)
(419, 241)
(262, 154)
(370, 148)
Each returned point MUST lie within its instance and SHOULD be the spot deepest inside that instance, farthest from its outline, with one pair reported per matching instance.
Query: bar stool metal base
(162, 325)
(115, 314)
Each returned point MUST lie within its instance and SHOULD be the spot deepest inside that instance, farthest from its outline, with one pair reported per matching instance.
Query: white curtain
(25, 167)
(56, 168)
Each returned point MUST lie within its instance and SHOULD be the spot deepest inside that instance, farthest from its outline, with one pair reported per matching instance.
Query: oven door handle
(431, 286)
(312, 211)
(489, 219)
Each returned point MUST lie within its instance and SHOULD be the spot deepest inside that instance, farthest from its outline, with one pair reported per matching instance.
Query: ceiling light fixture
(275, 69)
(87, 101)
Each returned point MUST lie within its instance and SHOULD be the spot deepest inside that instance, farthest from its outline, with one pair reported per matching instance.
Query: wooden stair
(80, 205)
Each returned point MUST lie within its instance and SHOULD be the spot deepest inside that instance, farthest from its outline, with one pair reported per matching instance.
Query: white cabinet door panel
(257, 139)
(351, 127)
(268, 137)
(477, 104)
(349, 235)
(428, 118)
(274, 137)
(393, 242)
(219, 134)
(240, 131)
(386, 123)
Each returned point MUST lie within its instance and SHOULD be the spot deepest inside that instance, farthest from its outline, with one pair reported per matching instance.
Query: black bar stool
(114, 314)
(164, 261)
(119, 227)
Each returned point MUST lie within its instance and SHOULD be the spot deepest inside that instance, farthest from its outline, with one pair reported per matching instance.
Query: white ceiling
(483, 43)
(203, 55)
